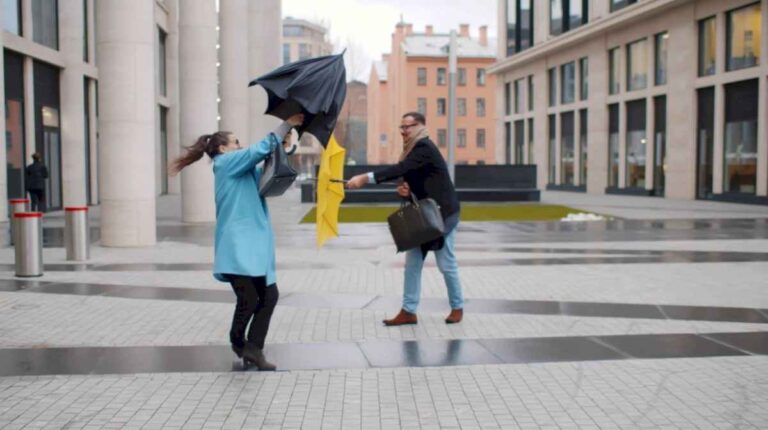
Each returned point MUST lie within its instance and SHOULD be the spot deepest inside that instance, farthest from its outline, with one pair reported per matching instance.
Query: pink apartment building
(414, 77)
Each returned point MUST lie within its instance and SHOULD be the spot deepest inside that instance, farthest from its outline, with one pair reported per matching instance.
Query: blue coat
(244, 239)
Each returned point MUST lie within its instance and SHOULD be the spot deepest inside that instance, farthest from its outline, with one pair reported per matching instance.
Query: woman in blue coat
(244, 246)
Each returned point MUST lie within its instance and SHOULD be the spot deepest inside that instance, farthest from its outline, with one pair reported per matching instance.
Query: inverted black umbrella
(315, 87)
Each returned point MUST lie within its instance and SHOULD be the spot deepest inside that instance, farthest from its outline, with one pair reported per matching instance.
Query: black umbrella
(315, 87)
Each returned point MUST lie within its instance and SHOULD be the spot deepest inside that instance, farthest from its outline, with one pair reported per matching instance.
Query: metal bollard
(29, 244)
(77, 234)
(16, 206)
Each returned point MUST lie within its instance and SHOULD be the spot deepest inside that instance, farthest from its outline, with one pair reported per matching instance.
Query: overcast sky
(370, 23)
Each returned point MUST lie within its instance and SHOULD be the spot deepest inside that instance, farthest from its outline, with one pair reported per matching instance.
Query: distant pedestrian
(36, 175)
(424, 174)
(244, 249)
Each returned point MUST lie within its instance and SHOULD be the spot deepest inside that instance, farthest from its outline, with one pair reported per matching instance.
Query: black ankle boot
(253, 356)
(238, 350)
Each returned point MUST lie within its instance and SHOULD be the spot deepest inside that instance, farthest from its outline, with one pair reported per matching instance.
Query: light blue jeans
(446, 262)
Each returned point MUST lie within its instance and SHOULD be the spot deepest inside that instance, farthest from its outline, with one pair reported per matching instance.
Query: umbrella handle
(292, 150)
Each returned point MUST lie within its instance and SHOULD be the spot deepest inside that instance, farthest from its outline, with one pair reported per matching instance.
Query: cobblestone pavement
(327, 303)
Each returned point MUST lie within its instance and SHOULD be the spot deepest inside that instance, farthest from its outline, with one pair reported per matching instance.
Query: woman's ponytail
(205, 144)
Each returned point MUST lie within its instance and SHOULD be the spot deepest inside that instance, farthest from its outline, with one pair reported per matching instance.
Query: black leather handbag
(416, 223)
(278, 175)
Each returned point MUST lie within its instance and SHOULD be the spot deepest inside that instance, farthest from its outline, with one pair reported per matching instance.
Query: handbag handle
(293, 149)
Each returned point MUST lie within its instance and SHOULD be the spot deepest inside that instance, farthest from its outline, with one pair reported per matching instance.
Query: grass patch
(507, 212)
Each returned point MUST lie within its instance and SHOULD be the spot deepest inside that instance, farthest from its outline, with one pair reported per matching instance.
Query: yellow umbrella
(330, 191)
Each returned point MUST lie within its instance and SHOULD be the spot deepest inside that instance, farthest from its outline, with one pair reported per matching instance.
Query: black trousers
(255, 303)
(37, 198)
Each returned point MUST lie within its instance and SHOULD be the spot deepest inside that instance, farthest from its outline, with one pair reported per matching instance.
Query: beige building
(109, 94)
(648, 97)
(414, 77)
(301, 40)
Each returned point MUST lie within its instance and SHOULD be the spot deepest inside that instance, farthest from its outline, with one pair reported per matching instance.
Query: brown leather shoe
(403, 318)
(455, 316)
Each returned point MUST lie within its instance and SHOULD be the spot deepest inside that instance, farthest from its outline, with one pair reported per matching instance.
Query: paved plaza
(656, 317)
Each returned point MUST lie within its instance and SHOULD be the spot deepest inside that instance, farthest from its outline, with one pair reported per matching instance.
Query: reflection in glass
(519, 141)
(555, 17)
(637, 65)
(461, 106)
(531, 159)
(552, 73)
(568, 82)
(507, 98)
(707, 48)
(743, 46)
(45, 22)
(507, 143)
(740, 157)
(11, 16)
(614, 65)
(480, 107)
(461, 135)
(613, 145)
(530, 93)
(480, 138)
(660, 54)
(660, 144)
(636, 144)
(705, 141)
(552, 161)
(583, 145)
(519, 96)
(584, 78)
(567, 148)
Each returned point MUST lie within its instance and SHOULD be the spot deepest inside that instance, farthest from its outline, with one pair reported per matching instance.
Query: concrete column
(3, 151)
(233, 67)
(198, 97)
(264, 45)
(126, 60)
(597, 121)
(72, 103)
(172, 79)
(622, 143)
(29, 110)
(650, 142)
(719, 142)
(93, 132)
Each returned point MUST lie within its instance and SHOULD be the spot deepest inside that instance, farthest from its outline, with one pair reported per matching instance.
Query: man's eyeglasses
(407, 126)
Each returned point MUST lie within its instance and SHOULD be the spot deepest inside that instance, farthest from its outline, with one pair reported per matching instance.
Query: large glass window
(613, 145)
(507, 98)
(552, 79)
(614, 65)
(12, 16)
(480, 77)
(519, 99)
(461, 135)
(659, 144)
(637, 65)
(743, 45)
(305, 51)
(619, 4)
(441, 77)
(48, 128)
(422, 105)
(551, 156)
(568, 83)
(636, 144)
(519, 141)
(567, 148)
(584, 78)
(531, 159)
(565, 15)
(441, 106)
(583, 146)
(707, 46)
(14, 124)
(286, 53)
(519, 25)
(480, 107)
(530, 93)
(421, 76)
(462, 76)
(481, 138)
(461, 106)
(161, 61)
(660, 58)
(740, 151)
(705, 141)
(45, 17)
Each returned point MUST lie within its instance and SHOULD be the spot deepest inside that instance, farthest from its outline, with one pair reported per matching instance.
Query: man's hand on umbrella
(403, 190)
(296, 120)
(357, 181)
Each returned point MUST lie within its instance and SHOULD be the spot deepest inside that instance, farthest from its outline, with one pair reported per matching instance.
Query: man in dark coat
(36, 175)
(424, 173)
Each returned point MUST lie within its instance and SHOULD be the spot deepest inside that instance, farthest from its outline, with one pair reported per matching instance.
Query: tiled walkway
(654, 323)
